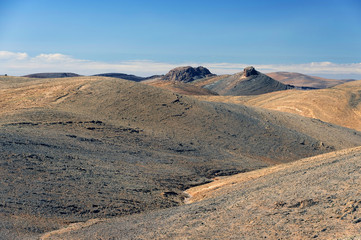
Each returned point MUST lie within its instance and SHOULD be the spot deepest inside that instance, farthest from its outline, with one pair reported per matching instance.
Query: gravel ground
(316, 198)
(77, 149)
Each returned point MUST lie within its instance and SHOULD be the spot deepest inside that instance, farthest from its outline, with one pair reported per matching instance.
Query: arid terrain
(106, 158)
(314, 198)
(298, 79)
(340, 105)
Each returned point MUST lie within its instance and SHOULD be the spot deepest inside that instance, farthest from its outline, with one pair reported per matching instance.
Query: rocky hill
(187, 74)
(248, 82)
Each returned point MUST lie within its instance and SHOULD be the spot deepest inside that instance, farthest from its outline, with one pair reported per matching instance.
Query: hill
(127, 76)
(178, 80)
(187, 74)
(248, 82)
(338, 105)
(313, 198)
(298, 79)
(180, 87)
(75, 149)
(52, 75)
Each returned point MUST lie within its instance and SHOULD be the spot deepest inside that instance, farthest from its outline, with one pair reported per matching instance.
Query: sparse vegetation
(77, 149)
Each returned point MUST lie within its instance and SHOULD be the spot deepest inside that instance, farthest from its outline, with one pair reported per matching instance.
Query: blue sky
(112, 33)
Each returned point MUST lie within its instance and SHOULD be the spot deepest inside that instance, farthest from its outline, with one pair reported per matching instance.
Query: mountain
(248, 82)
(52, 75)
(127, 76)
(187, 74)
(75, 149)
(298, 79)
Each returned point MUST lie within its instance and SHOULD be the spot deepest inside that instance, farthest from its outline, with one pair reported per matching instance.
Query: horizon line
(20, 64)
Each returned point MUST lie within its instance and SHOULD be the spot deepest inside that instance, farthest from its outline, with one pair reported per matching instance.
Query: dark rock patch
(187, 74)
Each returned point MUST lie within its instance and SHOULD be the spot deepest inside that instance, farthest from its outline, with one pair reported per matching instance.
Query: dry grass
(317, 197)
(26, 93)
(222, 185)
(298, 79)
(339, 105)
(142, 138)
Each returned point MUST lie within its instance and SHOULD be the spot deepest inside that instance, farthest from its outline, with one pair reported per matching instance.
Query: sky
(317, 37)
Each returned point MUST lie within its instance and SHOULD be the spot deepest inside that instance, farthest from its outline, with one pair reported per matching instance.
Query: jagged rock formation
(248, 82)
(187, 74)
(52, 75)
(249, 71)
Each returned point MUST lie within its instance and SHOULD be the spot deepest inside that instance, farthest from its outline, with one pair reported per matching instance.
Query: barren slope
(315, 198)
(80, 148)
(339, 105)
(298, 79)
(248, 82)
(180, 87)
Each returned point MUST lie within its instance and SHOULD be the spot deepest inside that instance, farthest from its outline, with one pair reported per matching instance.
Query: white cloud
(10, 64)
(316, 68)
(18, 64)
(54, 57)
(6, 55)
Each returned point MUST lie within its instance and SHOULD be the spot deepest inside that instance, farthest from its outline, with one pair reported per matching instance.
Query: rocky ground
(315, 198)
(82, 148)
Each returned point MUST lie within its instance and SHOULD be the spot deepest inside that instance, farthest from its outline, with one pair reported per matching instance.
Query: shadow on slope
(312, 198)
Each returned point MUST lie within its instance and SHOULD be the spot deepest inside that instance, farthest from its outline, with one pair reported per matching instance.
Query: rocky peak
(250, 71)
(187, 74)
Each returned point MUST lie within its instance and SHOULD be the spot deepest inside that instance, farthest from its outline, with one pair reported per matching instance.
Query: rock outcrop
(187, 74)
(248, 82)
(249, 71)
